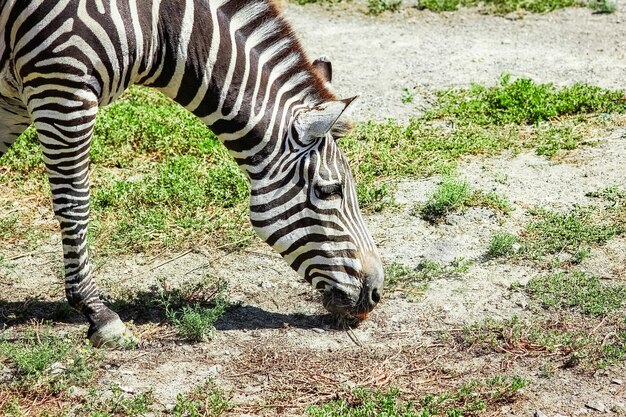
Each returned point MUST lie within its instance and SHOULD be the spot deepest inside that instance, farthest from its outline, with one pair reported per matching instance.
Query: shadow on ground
(146, 307)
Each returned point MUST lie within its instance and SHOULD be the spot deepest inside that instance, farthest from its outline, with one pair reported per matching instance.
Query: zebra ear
(324, 68)
(317, 121)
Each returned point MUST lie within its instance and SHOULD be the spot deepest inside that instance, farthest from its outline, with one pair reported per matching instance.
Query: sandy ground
(378, 57)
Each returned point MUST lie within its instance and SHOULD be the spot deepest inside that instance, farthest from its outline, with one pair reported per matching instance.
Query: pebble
(318, 330)
(597, 406)
(77, 392)
(539, 413)
(56, 368)
(127, 389)
(215, 369)
(617, 381)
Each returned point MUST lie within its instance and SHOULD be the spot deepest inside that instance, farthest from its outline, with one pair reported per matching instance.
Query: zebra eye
(329, 191)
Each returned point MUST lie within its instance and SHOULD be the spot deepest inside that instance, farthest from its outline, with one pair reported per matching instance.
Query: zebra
(235, 64)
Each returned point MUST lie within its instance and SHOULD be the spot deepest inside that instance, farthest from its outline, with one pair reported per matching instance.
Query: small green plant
(580, 255)
(491, 200)
(602, 6)
(206, 400)
(552, 139)
(502, 244)
(376, 7)
(407, 95)
(196, 322)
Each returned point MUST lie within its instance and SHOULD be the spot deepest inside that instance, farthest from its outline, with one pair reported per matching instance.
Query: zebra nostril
(375, 296)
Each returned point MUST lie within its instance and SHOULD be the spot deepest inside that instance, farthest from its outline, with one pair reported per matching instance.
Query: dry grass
(293, 379)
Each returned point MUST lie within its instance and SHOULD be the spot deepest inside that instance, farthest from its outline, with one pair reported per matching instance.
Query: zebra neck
(237, 66)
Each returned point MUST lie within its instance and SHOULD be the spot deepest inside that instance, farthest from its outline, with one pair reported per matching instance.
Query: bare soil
(278, 352)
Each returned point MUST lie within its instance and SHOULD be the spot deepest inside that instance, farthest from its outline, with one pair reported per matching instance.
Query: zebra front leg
(65, 138)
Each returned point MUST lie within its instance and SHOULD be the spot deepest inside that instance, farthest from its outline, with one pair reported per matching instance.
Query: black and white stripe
(237, 66)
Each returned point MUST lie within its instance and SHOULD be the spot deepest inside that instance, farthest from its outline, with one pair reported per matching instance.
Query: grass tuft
(376, 7)
(118, 403)
(195, 322)
(450, 196)
(614, 195)
(502, 244)
(454, 195)
(603, 6)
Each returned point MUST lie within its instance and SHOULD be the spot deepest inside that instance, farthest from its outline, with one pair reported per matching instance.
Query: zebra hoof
(112, 334)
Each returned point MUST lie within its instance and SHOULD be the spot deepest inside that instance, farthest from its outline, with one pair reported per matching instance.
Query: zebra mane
(304, 63)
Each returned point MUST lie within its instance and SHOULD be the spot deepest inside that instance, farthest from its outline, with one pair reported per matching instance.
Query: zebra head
(306, 208)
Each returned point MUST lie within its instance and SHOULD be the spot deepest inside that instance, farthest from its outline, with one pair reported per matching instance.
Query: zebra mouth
(346, 307)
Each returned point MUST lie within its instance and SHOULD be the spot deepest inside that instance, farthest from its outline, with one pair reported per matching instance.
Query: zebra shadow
(145, 307)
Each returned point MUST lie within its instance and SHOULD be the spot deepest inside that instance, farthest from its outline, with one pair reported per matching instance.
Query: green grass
(577, 290)
(454, 195)
(522, 101)
(9, 225)
(117, 404)
(499, 7)
(170, 203)
(473, 396)
(450, 196)
(162, 181)
(551, 139)
(407, 95)
(553, 233)
(160, 178)
(374, 197)
(195, 322)
(567, 236)
(206, 400)
(43, 361)
(512, 116)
